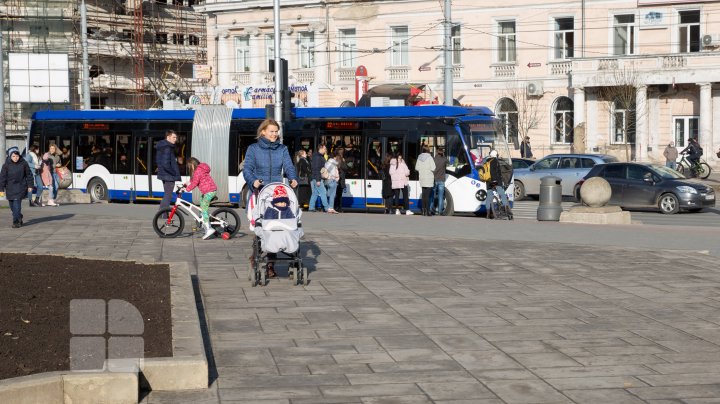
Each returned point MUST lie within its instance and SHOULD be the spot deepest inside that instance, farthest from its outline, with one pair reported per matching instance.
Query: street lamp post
(278, 76)
(448, 68)
(2, 103)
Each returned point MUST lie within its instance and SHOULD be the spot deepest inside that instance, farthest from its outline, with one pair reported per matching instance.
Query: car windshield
(666, 173)
(610, 159)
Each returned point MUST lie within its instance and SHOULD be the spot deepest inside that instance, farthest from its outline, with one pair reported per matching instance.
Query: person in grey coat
(425, 166)
(16, 181)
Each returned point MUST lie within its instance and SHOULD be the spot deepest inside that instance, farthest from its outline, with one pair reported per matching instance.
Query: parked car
(652, 186)
(571, 168)
(521, 163)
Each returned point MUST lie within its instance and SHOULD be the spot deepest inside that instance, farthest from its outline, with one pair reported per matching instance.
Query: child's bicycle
(169, 223)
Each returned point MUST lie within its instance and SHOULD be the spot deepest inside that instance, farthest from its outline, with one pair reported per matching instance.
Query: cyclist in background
(495, 182)
(693, 151)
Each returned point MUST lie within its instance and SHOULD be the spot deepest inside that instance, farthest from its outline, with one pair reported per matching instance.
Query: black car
(651, 186)
(521, 163)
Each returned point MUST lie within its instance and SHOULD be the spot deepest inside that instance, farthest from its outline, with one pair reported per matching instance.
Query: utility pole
(448, 68)
(85, 67)
(278, 75)
(3, 145)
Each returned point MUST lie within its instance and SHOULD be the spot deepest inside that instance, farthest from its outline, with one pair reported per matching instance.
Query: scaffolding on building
(140, 50)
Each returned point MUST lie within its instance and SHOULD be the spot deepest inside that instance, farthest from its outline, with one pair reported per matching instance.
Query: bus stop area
(442, 310)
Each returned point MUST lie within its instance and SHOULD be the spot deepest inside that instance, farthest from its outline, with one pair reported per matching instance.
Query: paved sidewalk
(389, 318)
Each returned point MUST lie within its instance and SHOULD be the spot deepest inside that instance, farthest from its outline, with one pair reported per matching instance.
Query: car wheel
(449, 208)
(669, 204)
(576, 193)
(519, 191)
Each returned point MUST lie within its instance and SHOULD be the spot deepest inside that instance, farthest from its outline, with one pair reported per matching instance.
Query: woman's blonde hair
(264, 126)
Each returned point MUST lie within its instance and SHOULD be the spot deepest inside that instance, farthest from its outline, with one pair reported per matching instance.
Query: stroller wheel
(263, 275)
(252, 276)
(292, 273)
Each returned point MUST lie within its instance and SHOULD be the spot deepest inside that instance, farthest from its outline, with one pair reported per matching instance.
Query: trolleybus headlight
(481, 195)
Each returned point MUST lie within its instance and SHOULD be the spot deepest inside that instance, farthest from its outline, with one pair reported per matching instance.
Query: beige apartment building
(618, 77)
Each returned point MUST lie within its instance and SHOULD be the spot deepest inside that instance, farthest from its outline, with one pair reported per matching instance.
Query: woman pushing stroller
(265, 162)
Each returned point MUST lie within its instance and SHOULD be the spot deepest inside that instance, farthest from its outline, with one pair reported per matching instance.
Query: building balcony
(560, 68)
(654, 69)
(304, 76)
(345, 74)
(503, 70)
(242, 79)
(113, 82)
(397, 73)
(456, 71)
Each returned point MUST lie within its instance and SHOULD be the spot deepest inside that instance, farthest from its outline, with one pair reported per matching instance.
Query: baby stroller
(278, 229)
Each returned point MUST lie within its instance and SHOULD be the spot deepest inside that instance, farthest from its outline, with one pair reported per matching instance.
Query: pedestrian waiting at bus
(203, 181)
(54, 158)
(438, 193)
(332, 180)
(387, 191)
(168, 170)
(33, 161)
(425, 166)
(400, 175)
(48, 177)
(340, 168)
(671, 155)
(16, 181)
(497, 183)
(303, 171)
(319, 175)
(265, 162)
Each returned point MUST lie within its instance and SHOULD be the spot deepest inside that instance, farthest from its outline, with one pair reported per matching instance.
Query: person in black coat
(387, 191)
(16, 181)
(496, 182)
(168, 169)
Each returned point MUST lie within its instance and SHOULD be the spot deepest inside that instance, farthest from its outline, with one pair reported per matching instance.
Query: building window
(193, 40)
(178, 39)
(306, 45)
(269, 47)
(507, 112)
(563, 121)
(506, 41)
(456, 44)
(623, 124)
(399, 47)
(161, 37)
(624, 35)
(686, 127)
(242, 53)
(564, 37)
(348, 47)
(689, 34)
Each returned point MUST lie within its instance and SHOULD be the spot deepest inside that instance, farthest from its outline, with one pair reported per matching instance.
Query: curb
(187, 369)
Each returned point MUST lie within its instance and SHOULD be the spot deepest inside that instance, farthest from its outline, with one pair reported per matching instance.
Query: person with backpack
(16, 181)
(694, 152)
(492, 175)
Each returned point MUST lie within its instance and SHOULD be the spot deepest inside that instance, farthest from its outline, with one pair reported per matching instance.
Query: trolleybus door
(147, 186)
(376, 148)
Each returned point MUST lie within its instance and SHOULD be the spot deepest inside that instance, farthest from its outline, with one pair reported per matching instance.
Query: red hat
(280, 195)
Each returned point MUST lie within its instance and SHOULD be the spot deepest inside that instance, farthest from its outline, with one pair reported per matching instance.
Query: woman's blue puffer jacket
(266, 161)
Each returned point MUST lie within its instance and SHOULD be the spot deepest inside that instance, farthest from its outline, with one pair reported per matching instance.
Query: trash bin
(550, 198)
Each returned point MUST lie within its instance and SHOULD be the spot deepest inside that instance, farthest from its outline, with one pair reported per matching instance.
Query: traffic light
(286, 95)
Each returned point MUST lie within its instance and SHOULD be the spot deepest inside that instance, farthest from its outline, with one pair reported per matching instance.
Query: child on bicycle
(201, 178)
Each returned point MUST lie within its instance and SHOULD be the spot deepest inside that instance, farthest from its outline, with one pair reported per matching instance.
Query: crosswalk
(709, 217)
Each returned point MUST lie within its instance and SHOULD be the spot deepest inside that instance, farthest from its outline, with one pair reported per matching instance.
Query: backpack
(700, 151)
(484, 171)
(324, 174)
(506, 172)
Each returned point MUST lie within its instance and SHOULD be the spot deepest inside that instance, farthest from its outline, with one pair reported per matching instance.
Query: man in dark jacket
(16, 181)
(694, 151)
(496, 182)
(438, 191)
(168, 169)
(316, 181)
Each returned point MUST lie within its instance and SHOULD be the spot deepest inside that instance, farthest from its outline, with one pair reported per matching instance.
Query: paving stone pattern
(394, 319)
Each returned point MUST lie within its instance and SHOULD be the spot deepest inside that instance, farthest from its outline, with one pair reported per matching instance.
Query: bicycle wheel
(168, 228)
(495, 208)
(230, 217)
(703, 170)
(681, 169)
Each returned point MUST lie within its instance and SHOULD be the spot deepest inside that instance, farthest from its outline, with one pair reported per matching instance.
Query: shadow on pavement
(46, 219)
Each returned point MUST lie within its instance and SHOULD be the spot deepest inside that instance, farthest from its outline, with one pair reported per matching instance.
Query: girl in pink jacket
(400, 175)
(201, 178)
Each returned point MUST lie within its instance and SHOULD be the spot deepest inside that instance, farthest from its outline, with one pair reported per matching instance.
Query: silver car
(571, 168)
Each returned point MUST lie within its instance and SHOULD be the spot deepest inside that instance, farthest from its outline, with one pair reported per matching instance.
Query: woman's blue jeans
(317, 191)
(331, 191)
(439, 193)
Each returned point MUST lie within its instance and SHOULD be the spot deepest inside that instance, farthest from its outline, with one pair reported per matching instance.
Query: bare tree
(526, 116)
(618, 88)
